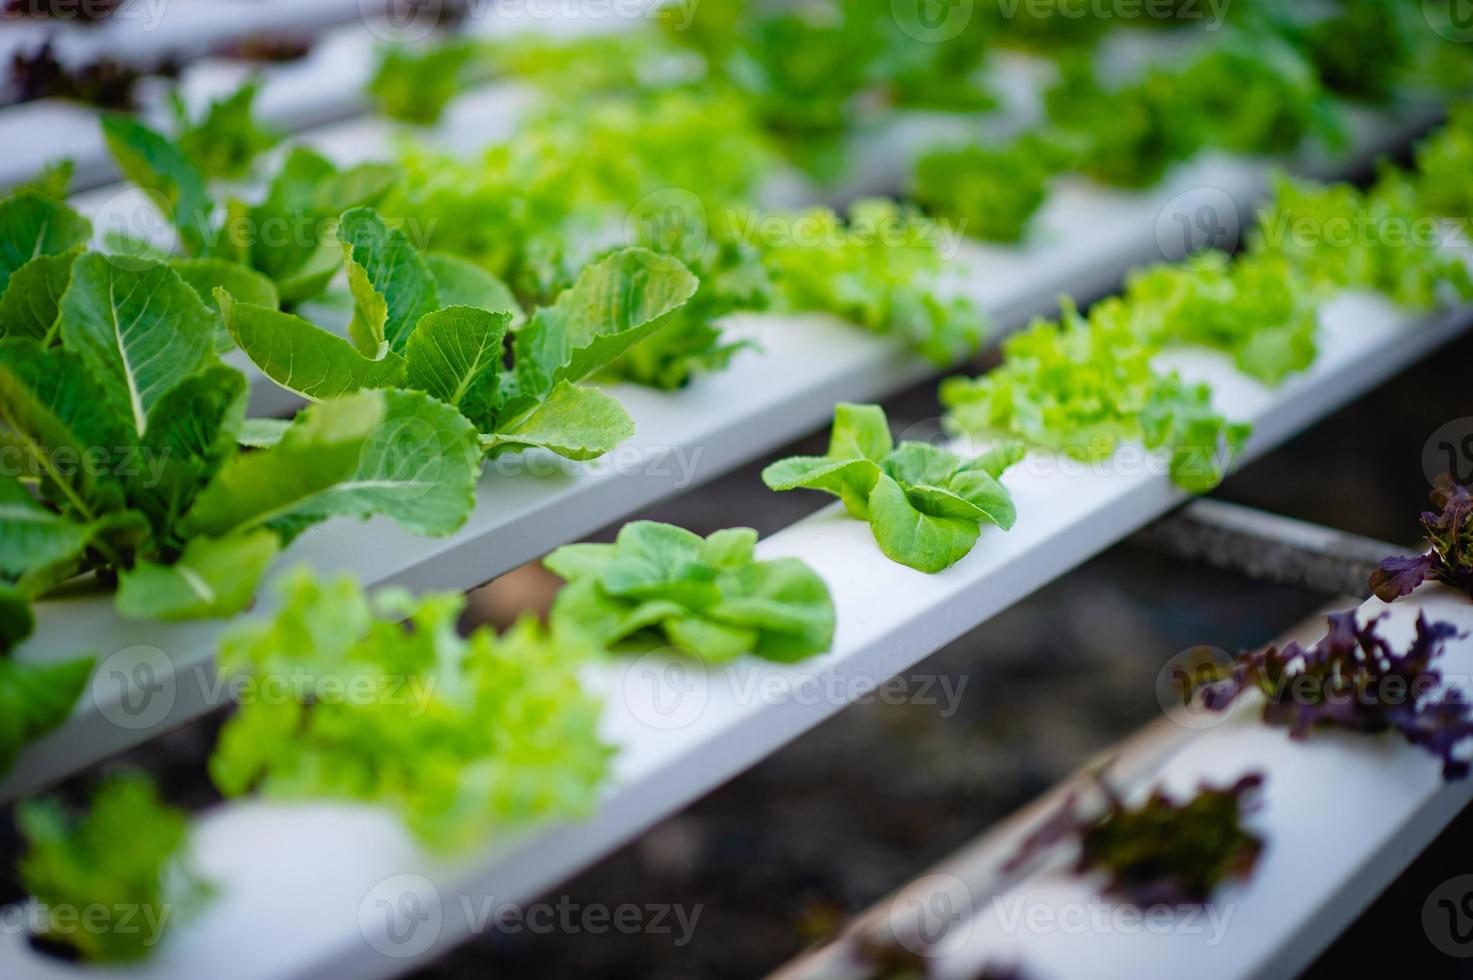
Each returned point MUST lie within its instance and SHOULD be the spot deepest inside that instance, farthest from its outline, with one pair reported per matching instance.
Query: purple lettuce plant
(1353, 679)
(1449, 530)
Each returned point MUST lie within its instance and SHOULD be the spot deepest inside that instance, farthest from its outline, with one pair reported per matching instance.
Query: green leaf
(226, 141)
(391, 283)
(16, 623)
(851, 480)
(156, 165)
(32, 225)
(574, 421)
(661, 561)
(262, 433)
(419, 467)
(288, 236)
(124, 858)
(192, 431)
(32, 301)
(923, 541)
(214, 577)
(49, 404)
(33, 536)
(981, 490)
(613, 305)
(139, 329)
(35, 699)
(54, 180)
(925, 505)
(204, 276)
(285, 228)
(785, 602)
(860, 430)
(462, 283)
(320, 449)
(455, 354)
(659, 583)
(302, 357)
(460, 736)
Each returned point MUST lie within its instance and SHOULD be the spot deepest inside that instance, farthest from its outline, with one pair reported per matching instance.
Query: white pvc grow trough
(300, 884)
(1341, 815)
(1087, 239)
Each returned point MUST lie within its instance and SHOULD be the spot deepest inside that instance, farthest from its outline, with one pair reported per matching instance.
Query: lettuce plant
(1353, 679)
(227, 139)
(1363, 49)
(403, 336)
(124, 431)
(1125, 137)
(415, 85)
(669, 172)
(1449, 531)
(127, 854)
(989, 193)
(1443, 162)
(925, 506)
(881, 268)
(1339, 237)
(658, 585)
(1162, 852)
(285, 238)
(128, 427)
(1081, 387)
(387, 704)
(1260, 98)
(1257, 309)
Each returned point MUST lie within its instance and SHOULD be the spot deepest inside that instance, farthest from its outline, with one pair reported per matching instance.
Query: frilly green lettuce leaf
(126, 855)
(461, 736)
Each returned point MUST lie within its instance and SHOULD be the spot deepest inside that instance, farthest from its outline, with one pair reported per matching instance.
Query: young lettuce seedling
(1353, 679)
(1161, 852)
(126, 855)
(1082, 386)
(462, 736)
(926, 506)
(1450, 532)
(659, 585)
